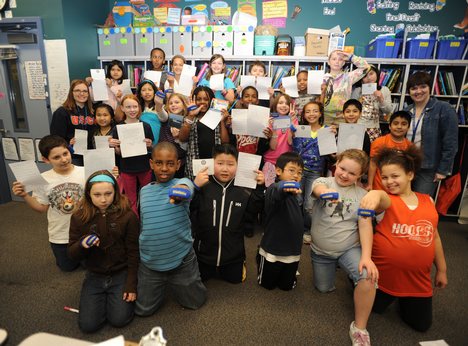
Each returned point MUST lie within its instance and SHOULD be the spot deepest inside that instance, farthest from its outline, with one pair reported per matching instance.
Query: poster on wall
(57, 71)
(275, 12)
(247, 6)
(35, 79)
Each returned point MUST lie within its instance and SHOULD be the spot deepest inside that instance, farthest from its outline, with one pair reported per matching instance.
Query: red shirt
(403, 248)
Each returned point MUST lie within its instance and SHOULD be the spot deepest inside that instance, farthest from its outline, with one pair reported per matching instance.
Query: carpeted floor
(33, 293)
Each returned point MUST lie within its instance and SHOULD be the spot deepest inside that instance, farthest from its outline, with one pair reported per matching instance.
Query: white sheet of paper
(315, 81)
(434, 343)
(38, 152)
(199, 164)
(303, 131)
(350, 136)
(211, 118)
(290, 86)
(257, 120)
(173, 16)
(98, 74)
(117, 341)
(263, 83)
(125, 87)
(9, 149)
(185, 84)
(326, 141)
(239, 121)
(281, 122)
(132, 139)
(27, 173)
(98, 159)
(247, 164)
(81, 141)
(154, 76)
(246, 81)
(26, 149)
(217, 81)
(99, 90)
(369, 88)
(102, 142)
(188, 70)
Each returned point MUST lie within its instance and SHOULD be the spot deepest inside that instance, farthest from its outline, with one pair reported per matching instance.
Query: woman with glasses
(76, 113)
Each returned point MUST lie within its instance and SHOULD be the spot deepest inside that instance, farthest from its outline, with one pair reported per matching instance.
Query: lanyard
(415, 126)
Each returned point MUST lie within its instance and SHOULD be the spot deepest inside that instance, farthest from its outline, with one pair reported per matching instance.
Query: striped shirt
(165, 237)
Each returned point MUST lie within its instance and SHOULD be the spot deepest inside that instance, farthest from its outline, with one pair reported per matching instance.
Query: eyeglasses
(294, 172)
(80, 91)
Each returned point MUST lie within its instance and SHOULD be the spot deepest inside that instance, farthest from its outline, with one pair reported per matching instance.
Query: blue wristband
(191, 108)
(171, 74)
(366, 212)
(289, 185)
(179, 192)
(329, 195)
(292, 128)
(160, 94)
(169, 91)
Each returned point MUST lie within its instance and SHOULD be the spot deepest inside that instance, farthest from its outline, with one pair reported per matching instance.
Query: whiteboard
(57, 71)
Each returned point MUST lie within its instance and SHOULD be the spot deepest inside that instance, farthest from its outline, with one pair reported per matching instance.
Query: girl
(200, 138)
(136, 169)
(304, 97)
(104, 121)
(75, 113)
(217, 66)
(177, 64)
(153, 113)
(158, 59)
(338, 84)
(405, 247)
(314, 164)
(258, 69)
(280, 141)
(374, 106)
(104, 233)
(339, 236)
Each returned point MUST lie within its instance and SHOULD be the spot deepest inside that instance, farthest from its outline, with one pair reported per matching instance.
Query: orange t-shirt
(403, 248)
(385, 142)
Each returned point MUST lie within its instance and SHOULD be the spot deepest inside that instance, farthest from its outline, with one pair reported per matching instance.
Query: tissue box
(317, 42)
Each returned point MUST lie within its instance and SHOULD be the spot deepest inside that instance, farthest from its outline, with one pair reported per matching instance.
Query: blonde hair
(181, 98)
(356, 155)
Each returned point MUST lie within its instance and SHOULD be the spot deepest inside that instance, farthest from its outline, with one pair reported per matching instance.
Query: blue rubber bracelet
(329, 195)
(179, 192)
(171, 74)
(91, 239)
(366, 212)
(191, 108)
(292, 128)
(160, 94)
(290, 185)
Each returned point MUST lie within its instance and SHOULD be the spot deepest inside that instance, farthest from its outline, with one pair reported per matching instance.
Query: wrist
(188, 121)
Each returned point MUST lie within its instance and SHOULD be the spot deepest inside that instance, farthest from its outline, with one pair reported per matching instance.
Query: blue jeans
(424, 182)
(61, 258)
(324, 268)
(308, 179)
(101, 301)
(184, 281)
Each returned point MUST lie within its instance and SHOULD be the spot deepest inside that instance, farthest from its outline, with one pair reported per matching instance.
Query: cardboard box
(316, 42)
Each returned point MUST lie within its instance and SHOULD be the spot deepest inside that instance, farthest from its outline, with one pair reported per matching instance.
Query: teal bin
(264, 45)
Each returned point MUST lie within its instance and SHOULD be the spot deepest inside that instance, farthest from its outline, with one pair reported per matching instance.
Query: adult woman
(75, 113)
(433, 128)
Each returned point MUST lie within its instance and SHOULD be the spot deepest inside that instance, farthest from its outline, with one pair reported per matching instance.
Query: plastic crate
(264, 45)
(384, 48)
(420, 48)
(451, 49)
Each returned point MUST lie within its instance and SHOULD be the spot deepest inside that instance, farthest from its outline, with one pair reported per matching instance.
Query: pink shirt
(282, 147)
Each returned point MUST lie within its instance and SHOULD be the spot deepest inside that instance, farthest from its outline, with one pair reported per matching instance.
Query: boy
(218, 212)
(59, 198)
(166, 252)
(396, 139)
(280, 247)
(351, 113)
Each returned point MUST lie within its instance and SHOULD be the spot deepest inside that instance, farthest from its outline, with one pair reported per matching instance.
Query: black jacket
(217, 215)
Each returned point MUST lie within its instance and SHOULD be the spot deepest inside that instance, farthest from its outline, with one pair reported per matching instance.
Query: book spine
(202, 72)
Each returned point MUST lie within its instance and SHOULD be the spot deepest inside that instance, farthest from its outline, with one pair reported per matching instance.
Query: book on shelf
(390, 78)
(135, 73)
(278, 72)
(465, 89)
(233, 72)
(445, 83)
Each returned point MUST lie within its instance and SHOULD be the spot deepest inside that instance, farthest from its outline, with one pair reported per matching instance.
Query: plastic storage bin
(384, 48)
(451, 49)
(264, 44)
(420, 48)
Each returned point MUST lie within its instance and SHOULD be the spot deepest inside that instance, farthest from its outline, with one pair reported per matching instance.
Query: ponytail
(409, 159)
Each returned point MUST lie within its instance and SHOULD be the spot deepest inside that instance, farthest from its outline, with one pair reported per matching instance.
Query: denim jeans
(324, 268)
(102, 300)
(424, 182)
(184, 281)
(308, 179)
(62, 260)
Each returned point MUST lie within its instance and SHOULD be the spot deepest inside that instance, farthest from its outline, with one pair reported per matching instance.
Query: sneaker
(307, 238)
(359, 337)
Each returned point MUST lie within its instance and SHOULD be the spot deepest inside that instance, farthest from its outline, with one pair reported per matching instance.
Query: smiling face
(202, 99)
(175, 105)
(217, 66)
(157, 59)
(311, 113)
(351, 114)
(420, 94)
(347, 172)
(131, 108)
(80, 94)
(177, 66)
(249, 96)
(225, 167)
(283, 106)
(257, 71)
(147, 93)
(103, 117)
(116, 73)
(302, 81)
(395, 180)
(60, 160)
(399, 127)
(102, 195)
(164, 164)
(290, 172)
(370, 77)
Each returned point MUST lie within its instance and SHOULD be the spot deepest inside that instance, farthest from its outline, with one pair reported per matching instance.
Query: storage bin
(265, 44)
(451, 49)
(384, 48)
(420, 48)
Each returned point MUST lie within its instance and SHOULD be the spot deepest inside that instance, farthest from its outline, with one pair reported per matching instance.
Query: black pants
(414, 311)
(276, 274)
(230, 272)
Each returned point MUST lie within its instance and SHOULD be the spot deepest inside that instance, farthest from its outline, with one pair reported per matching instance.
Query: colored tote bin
(420, 48)
(451, 49)
(163, 39)
(384, 48)
(106, 40)
(265, 44)
(143, 41)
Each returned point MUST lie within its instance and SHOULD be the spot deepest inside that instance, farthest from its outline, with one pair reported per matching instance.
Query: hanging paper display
(160, 14)
(275, 12)
(220, 13)
(247, 6)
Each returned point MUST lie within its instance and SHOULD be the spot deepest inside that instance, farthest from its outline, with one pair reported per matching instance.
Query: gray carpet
(33, 293)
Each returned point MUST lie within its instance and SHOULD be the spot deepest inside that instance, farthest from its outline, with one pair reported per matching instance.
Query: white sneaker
(307, 238)
(359, 337)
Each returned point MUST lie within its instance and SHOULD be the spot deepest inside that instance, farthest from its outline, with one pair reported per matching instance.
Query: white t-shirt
(61, 195)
